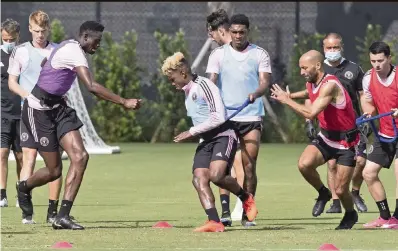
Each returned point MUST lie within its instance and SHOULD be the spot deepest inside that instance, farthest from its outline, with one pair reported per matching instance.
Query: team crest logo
(194, 96)
(24, 136)
(44, 141)
(370, 150)
(348, 75)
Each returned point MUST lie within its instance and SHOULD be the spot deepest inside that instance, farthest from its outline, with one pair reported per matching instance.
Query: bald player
(337, 137)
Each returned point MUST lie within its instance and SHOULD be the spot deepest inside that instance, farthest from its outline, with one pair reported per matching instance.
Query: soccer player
(50, 123)
(350, 76)
(380, 85)
(10, 108)
(218, 30)
(337, 138)
(24, 71)
(242, 70)
(217, 147)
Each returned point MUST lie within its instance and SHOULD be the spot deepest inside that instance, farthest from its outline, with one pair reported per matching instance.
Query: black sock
(212, 214)
(243, 195)
(52, 206)
(224, 202)
(396, 209)
(65, 208)
(3, 194)
(23, 187)
(323, 190)
(384, 210)
(355, 192)
(336, 202)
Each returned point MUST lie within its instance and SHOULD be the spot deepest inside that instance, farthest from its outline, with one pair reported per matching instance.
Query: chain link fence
(277, 22)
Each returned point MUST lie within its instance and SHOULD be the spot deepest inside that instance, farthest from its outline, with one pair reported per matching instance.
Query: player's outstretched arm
(102, 92)
(299, 95)
(326, 95)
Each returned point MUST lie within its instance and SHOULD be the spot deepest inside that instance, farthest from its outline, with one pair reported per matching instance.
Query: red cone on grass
(162, 224)
(62, 244)
(327, 247)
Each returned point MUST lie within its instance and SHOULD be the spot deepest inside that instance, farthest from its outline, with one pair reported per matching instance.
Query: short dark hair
(380, 47)
(10, 26)
(217, 19)
(91, 26)
(240, 19)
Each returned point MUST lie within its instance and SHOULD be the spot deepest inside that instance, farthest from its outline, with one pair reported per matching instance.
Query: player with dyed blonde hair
(217, 146)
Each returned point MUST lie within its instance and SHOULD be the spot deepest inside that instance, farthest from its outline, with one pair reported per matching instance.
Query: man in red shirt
(380, 85)
(337, 137)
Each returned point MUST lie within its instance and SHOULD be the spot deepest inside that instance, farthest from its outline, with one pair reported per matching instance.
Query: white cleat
(238, 211)
(28, 220)
(4, 202)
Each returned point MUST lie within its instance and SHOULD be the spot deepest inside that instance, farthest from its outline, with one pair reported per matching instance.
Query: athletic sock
(212, 214)
(243, 195)
(52, 206)
(3, 194)
(336, 202)
(224, 203)
(355, 192)
(384, 210)
(323, 191)
(65, 208)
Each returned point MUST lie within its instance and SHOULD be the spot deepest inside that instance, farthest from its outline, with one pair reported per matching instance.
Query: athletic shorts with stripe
(43, 129)
(219, 148)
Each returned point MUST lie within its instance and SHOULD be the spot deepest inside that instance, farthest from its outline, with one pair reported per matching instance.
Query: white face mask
(333, 56)
(8, 47)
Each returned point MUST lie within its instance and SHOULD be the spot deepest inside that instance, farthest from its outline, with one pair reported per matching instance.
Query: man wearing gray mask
(350, 75)
(10, 108)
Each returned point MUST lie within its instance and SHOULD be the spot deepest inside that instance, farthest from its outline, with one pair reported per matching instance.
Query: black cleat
(359, 203)
(226, 219)
(66, 223)
(321, 203)
(25, 200)
(348, 220)
(335, 208)
(51, 217)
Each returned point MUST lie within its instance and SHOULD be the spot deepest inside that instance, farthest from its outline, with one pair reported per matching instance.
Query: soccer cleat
(246, 223)
(4, 202)
(391, 224)
(211, 226)
(51, 217)
(25, 202)
(376, 223)
(226, 219)
(359, 203)
(249, 207)
(238, 211)
(334, 209)
(27, 219)
(320, 204)
(66, 223)
(348, 221)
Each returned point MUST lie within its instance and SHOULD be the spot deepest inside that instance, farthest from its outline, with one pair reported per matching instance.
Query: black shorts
(10, 131)
(43, 129)
(345, 157)
(383, 153)
(220, 148)
(360, 149)
(243, 128)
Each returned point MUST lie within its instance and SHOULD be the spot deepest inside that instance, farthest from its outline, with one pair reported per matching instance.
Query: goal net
(92, 142)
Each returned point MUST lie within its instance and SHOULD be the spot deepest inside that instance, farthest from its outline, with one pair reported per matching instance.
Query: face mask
(8, 47)
(333, 56)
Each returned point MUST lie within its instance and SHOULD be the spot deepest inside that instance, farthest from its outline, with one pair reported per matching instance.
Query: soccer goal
(92, 142)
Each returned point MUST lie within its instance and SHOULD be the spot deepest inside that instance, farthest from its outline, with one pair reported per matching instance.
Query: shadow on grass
(267, 228)
(21, 232)
(312, 218)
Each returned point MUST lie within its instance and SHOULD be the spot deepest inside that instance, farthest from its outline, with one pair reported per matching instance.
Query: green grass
(123, 195)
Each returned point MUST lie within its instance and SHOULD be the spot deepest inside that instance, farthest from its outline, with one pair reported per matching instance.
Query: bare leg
(250, 147)
(4, 152)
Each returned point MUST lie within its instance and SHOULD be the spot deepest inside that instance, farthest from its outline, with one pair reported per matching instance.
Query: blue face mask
(333, 56)
(8, 47)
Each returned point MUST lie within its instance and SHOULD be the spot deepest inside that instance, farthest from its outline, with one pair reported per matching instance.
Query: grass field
(122, 196)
